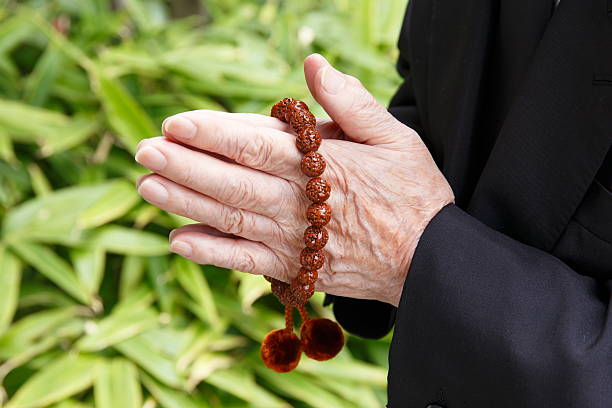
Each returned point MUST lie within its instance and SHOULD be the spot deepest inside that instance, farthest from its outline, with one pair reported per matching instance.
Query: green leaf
(10, 279)
(132, 271)
(7, 152)
(205, 365)
(31, 328)
(300, 387)
(127, 241)
(125, 116)
(241, 383)
(40, 184)
(54, 268)
(12, 32)
(89, 266)
(355, 393)
(169, 398)
(40, 81)
(51, 130)
(117, 327)
(28, 123)
(117, 200)
(60, 379)
(155, 363)
(191, 277)
(70, 403)
(251, 288)
(61, 216)
(347, 369)
(117, 385)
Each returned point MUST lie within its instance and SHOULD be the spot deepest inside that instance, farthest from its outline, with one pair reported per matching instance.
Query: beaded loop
(312, 259)
(318, 214)
(308, 140)
(315, 237)
(322, 339)
(313, 164)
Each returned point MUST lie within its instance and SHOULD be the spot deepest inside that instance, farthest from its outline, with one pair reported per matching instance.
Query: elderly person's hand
(239, 175)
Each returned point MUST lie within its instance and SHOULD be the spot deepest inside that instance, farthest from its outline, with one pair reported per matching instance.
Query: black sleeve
(493, 310)
(371, 318)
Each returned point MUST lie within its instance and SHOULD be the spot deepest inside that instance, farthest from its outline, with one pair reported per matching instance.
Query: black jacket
(507, 302)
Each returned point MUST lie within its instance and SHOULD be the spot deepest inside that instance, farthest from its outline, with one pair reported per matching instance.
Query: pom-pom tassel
(321, 338)
(281, 349)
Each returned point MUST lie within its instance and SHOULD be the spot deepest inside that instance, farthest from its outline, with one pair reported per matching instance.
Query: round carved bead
(313, 164)
(312, 259)
(282, 109)
(306, 276)
(318, 214)
(317, 190)
(307, 290)
(293, 297)
(277, 112)
(315, 237)
(302, 120)
(299, 106)
(308, 140)
(302, 292)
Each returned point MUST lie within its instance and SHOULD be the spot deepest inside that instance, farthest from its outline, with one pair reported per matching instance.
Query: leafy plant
(93, 309)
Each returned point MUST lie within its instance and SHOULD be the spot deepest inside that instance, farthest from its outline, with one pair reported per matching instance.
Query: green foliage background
(93, 309)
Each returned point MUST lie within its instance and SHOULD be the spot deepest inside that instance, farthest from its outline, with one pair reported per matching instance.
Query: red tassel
(281, 349)
(322, 339)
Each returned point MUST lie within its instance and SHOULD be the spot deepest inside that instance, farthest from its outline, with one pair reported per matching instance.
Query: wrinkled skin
(239, 176)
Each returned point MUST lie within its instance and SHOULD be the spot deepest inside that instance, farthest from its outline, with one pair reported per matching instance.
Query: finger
(229, 183)
(263, 148)
(232, 253)
(202, 228)
(249, 119)
(177, 199)
(351, 106)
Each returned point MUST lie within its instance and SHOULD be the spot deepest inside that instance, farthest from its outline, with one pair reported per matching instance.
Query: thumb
(351, 106)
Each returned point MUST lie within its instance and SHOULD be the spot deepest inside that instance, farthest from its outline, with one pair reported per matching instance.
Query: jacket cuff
(373, 319)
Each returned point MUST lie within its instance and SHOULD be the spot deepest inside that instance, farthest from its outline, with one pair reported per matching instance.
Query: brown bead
(301, 120)
(282, 109)
(315, 237)
(317, 190)
(306, 276)
(299, 106)
(302, 292)
(312, 259)
(307, 290)
(313, 164)
(308, 140)
(318, 214)
(294, 297)
(277, 112)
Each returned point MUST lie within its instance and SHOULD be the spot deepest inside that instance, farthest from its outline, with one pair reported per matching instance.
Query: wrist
(408, 251)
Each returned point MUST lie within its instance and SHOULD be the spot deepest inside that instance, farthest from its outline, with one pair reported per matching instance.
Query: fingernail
(180, 127)
(181, 247)
(332, 80)
(153, 192)
(172, 233)
(151, 158)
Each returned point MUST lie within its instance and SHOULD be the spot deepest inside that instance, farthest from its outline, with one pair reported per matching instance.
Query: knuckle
(189, 208)
(354, 81)
(238, 191)
(245, 261)
(366, 110)
(255, 151)
(187, 175)
(233, 221)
